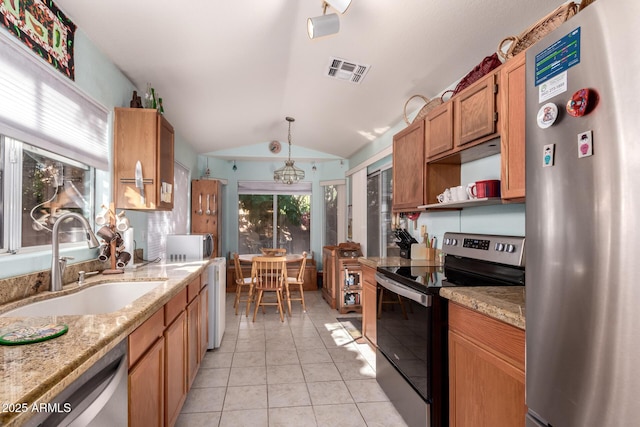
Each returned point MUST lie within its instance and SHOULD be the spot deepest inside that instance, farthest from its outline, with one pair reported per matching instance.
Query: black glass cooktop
(456, 272)
(422, 279)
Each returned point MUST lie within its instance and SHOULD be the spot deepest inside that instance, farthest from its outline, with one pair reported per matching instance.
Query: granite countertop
(374, 262)
(505, 303)
(36, 373)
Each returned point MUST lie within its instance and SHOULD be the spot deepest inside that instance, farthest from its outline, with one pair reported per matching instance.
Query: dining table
(249, 257)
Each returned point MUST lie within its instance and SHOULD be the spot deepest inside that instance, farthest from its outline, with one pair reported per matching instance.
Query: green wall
(101, 80)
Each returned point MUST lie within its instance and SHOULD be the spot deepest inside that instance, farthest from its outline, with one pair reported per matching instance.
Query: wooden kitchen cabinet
(165, 354)
(146, 373)
(408, 168)
(205, 210)
(486, 370)
(330, 275)
(193, 339)
(141, 134)
(146, 388)
(175, 337)
(369, 306)
(512, 128)
(203, 342)
(475, 111)
(438, 129)
(175, 385)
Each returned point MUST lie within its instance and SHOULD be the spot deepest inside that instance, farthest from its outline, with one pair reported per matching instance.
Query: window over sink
(37, 187)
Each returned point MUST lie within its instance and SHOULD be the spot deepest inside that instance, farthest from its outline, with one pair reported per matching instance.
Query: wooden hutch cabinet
(205, 210)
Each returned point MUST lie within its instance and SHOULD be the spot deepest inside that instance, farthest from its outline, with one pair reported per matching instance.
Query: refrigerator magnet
(585, 144)
(578, 104)
(548, 154)
(547, 115)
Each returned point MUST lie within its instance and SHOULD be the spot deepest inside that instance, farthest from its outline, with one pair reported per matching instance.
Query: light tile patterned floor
(307, 371)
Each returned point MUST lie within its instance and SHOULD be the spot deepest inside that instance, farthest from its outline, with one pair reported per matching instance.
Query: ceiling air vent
(347, 70)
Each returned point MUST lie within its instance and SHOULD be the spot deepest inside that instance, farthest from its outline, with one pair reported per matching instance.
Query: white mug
(103, 217)
(447, 195)
(461, 193)
(122, 223)
(454, 194)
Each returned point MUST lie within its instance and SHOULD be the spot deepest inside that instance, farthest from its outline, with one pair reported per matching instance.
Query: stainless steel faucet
(58, 264)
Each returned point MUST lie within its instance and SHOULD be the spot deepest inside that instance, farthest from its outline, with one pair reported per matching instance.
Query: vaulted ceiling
(229, 72)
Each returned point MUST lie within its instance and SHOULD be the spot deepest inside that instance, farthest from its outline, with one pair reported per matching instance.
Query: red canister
(488, 188)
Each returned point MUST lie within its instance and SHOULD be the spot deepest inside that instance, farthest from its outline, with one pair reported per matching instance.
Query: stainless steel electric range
(411, 359)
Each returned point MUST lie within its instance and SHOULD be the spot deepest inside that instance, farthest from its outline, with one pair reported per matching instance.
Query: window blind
(42, 108)
(270, 187)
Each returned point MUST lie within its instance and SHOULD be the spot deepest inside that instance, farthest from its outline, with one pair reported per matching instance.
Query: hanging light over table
(289, 173)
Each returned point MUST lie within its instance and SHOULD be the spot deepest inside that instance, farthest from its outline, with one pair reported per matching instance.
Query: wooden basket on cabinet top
(141, 134)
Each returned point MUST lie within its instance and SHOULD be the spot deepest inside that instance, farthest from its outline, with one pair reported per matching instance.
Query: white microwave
(189, 247)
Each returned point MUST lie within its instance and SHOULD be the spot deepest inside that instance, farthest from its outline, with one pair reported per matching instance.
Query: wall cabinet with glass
(142, 135)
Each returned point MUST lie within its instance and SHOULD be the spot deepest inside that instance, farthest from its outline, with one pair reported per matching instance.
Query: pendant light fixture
(288, 174)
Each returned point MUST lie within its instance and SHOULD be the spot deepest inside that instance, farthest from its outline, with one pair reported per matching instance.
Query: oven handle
(404, 291)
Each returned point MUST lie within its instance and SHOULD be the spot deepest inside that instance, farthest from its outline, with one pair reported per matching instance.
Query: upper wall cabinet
(143, 135)
(466, 120)
(461, 130)
(512, 128)
(408, 168)
(438, 129)
(475, 111)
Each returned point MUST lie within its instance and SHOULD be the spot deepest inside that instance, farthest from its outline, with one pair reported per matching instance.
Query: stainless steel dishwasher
(98, 398)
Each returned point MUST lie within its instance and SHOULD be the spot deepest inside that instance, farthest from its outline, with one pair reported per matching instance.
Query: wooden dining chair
(242, 284)
(296, 284)
(269, 275)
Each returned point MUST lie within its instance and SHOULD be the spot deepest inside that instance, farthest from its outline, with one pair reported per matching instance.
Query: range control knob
(499, 247)
(447, 241)
(510, 248)
(454, 242)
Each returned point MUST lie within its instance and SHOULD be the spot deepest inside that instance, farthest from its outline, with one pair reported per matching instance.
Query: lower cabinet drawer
(144, 337)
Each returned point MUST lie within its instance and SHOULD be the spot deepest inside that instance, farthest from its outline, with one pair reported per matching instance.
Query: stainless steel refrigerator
(583, 220)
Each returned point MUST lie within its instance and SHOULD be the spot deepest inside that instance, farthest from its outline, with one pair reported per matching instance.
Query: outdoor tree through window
(257, 214)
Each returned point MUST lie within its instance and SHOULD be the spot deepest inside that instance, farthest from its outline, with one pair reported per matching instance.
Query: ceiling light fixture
(325, 25)
(288, 174)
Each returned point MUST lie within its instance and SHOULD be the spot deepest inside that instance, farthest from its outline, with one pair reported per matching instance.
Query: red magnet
(579, 103)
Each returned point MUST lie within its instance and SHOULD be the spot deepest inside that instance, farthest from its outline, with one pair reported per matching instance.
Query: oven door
(404, 328)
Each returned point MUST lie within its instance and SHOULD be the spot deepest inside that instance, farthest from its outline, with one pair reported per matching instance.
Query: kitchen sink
(97, 299)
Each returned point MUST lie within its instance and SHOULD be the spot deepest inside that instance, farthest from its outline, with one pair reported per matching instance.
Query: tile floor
(307, 371)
